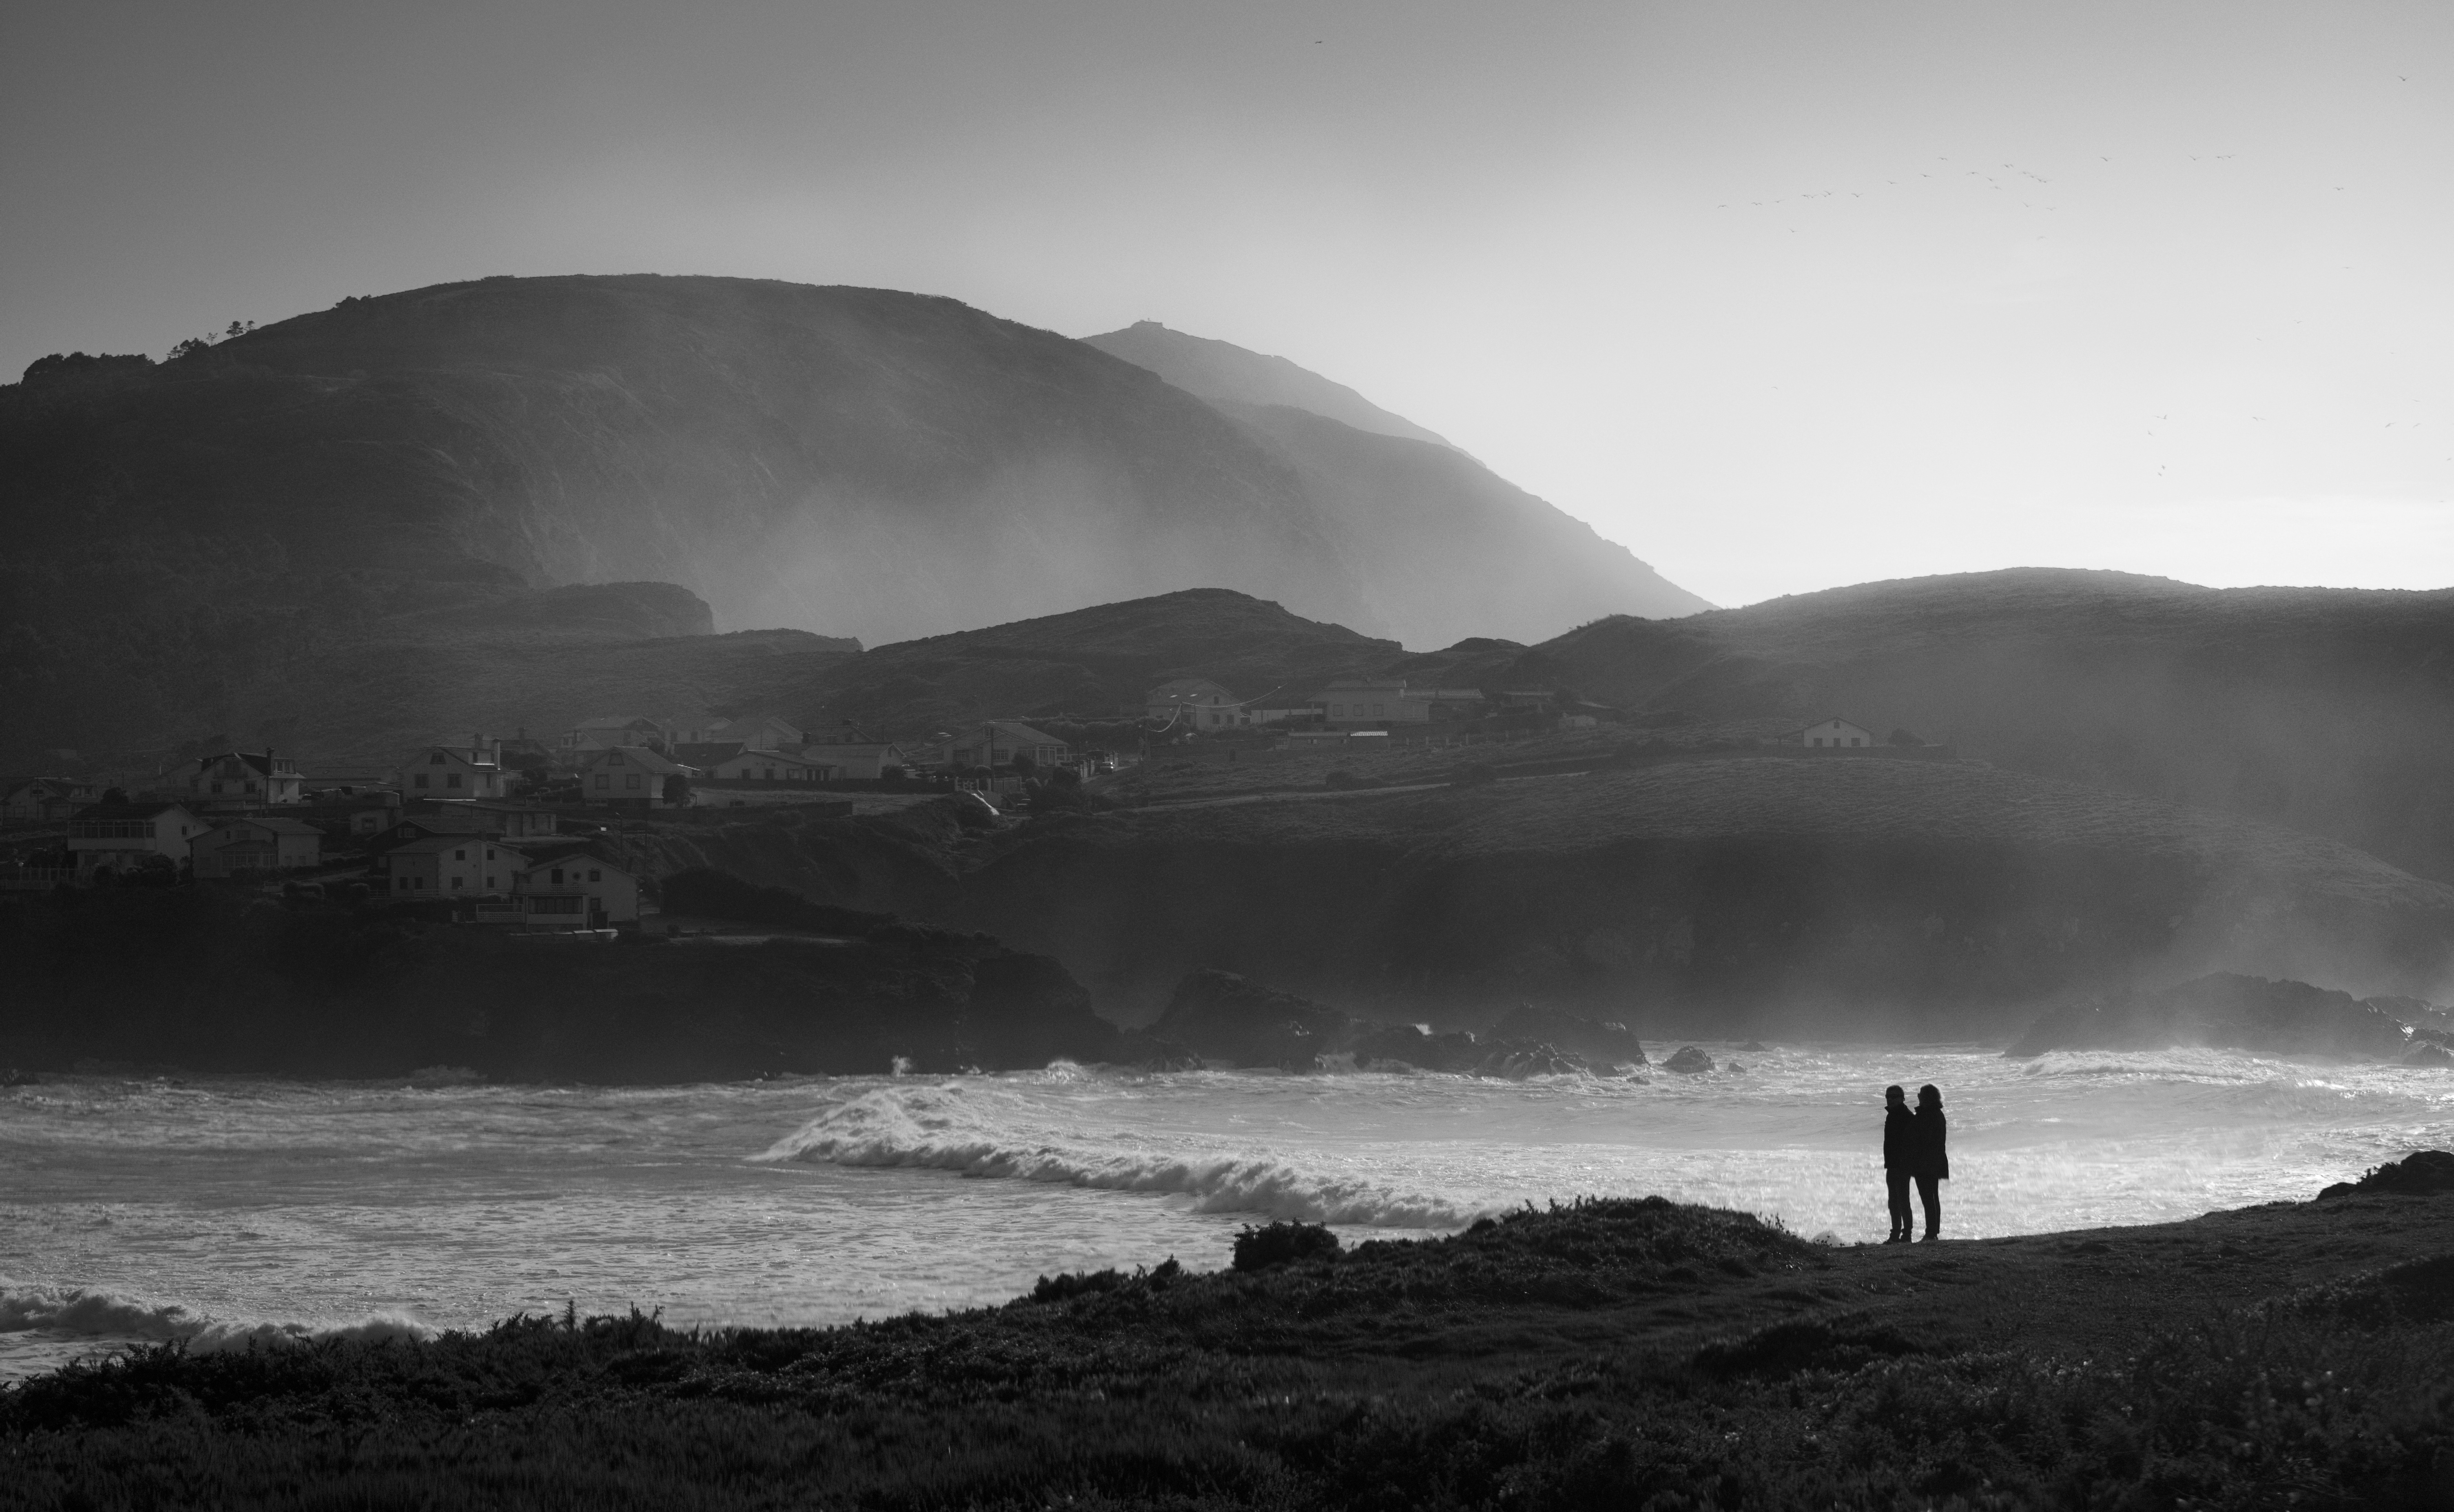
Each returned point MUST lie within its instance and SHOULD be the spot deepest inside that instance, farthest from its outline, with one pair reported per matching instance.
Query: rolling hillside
(2328, 710)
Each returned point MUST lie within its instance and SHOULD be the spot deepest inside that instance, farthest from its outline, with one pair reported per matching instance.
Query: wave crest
(971, 1131)
(95, 1313)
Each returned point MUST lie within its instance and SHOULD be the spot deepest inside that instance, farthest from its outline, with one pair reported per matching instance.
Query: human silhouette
(1933, 1159)
(1899, 1159)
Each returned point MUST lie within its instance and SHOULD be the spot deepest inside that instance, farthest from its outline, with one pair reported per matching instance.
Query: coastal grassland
(1606, 1354)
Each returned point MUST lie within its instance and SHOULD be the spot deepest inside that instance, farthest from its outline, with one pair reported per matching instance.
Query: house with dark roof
(634, 776)
(574, 885)
(473, 771)
(448, 866)
(861, 760)
(233, 779)
(1835, 732)
(121, 836)
(265, 843)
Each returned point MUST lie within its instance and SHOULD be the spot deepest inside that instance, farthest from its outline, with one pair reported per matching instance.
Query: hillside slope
(1446, 548)
(1812, 897)
(2328, 710)
(1226, 373)
(1466, 551)
(1092, 661)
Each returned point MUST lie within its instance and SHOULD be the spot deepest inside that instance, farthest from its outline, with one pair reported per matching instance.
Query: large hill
(860, 462)
(2330, 710)
(1226, 373)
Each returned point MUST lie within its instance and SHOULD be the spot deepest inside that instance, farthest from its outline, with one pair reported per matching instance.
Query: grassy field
(1604, 1354)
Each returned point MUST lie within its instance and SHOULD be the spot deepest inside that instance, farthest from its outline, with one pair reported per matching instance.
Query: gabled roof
(1832, 719)
(851, 748)
(70, 784)
(769, 755)
(708, 752)
(260, 761)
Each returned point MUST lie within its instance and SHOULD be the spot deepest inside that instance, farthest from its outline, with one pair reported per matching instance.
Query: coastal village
(529, 836)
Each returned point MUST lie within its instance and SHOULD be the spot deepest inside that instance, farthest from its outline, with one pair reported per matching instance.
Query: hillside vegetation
(1606, 1354)
(2328, 710)
(1833, 896)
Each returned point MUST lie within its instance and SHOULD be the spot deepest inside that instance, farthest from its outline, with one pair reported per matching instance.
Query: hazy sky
(1782, 296)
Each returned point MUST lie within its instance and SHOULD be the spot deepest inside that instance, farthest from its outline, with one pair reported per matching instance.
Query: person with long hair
(1933, 1159)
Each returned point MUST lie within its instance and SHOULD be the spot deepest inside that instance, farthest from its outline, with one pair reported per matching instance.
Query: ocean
(222, 1210)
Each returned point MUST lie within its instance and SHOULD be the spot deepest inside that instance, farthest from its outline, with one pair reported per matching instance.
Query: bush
(1277, 1245)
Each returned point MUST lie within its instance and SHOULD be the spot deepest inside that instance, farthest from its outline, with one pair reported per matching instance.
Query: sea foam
(103, 1315)
(981, 1130)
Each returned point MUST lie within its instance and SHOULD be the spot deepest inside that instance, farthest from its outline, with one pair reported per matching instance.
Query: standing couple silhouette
(1912, 1151)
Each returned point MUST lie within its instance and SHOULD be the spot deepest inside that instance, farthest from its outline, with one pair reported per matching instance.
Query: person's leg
(1898, 1182)
(1930, 1193)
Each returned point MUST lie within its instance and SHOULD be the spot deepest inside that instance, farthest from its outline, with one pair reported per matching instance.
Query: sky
(1780, 296)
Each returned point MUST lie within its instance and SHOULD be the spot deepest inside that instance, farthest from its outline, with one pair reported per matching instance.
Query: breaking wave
(974, 1131)
(99, 1315)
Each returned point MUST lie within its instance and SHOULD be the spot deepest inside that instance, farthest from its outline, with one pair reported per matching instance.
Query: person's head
(1894, 1096)
(1928, 1096)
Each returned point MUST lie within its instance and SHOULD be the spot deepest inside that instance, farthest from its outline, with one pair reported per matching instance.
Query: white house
(235, 779)
(866, 762)
(1835, 732)
(770, 766)
(632, 775)
(119, 837)
(1194, 704)
(997, 742)
(1351, 704)
(1434, 705)
(473, 771)
(571, 886)
(256, 845)
(449, 866)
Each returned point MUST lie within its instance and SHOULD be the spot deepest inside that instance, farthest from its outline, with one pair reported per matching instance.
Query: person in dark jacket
(1933, 1159)
(1899, 1160)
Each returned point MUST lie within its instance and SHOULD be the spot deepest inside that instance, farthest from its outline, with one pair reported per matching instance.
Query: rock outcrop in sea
(2224, 1011)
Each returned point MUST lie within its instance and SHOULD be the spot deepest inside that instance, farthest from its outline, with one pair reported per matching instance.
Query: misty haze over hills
(1226, 373)
(851, 461)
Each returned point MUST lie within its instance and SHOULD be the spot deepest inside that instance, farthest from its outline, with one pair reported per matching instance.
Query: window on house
(456, 884)
(557, 878)
(490, 881)
(419, 780)
(251, 787)
(452, 781)
(400, 884)
(218, 787)
(596, 874)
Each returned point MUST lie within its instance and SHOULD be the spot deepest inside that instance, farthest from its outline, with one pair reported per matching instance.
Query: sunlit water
(219, 1210)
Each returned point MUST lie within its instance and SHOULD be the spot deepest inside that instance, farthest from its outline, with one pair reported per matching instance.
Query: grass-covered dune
(1950, 895)
(1616, 1353)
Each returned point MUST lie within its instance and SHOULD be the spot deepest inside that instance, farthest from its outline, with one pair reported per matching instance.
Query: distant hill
(1450, 548)
(1226, 373)
(855, 462)
(1091, 661)
(2328, 710)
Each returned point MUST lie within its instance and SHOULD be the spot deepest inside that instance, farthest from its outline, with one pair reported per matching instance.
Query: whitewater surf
(223, 1211)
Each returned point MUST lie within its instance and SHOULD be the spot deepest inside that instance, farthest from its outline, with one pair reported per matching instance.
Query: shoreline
(1611, 1350)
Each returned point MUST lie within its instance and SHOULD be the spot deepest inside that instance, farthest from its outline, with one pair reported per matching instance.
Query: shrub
(1277, 1244)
